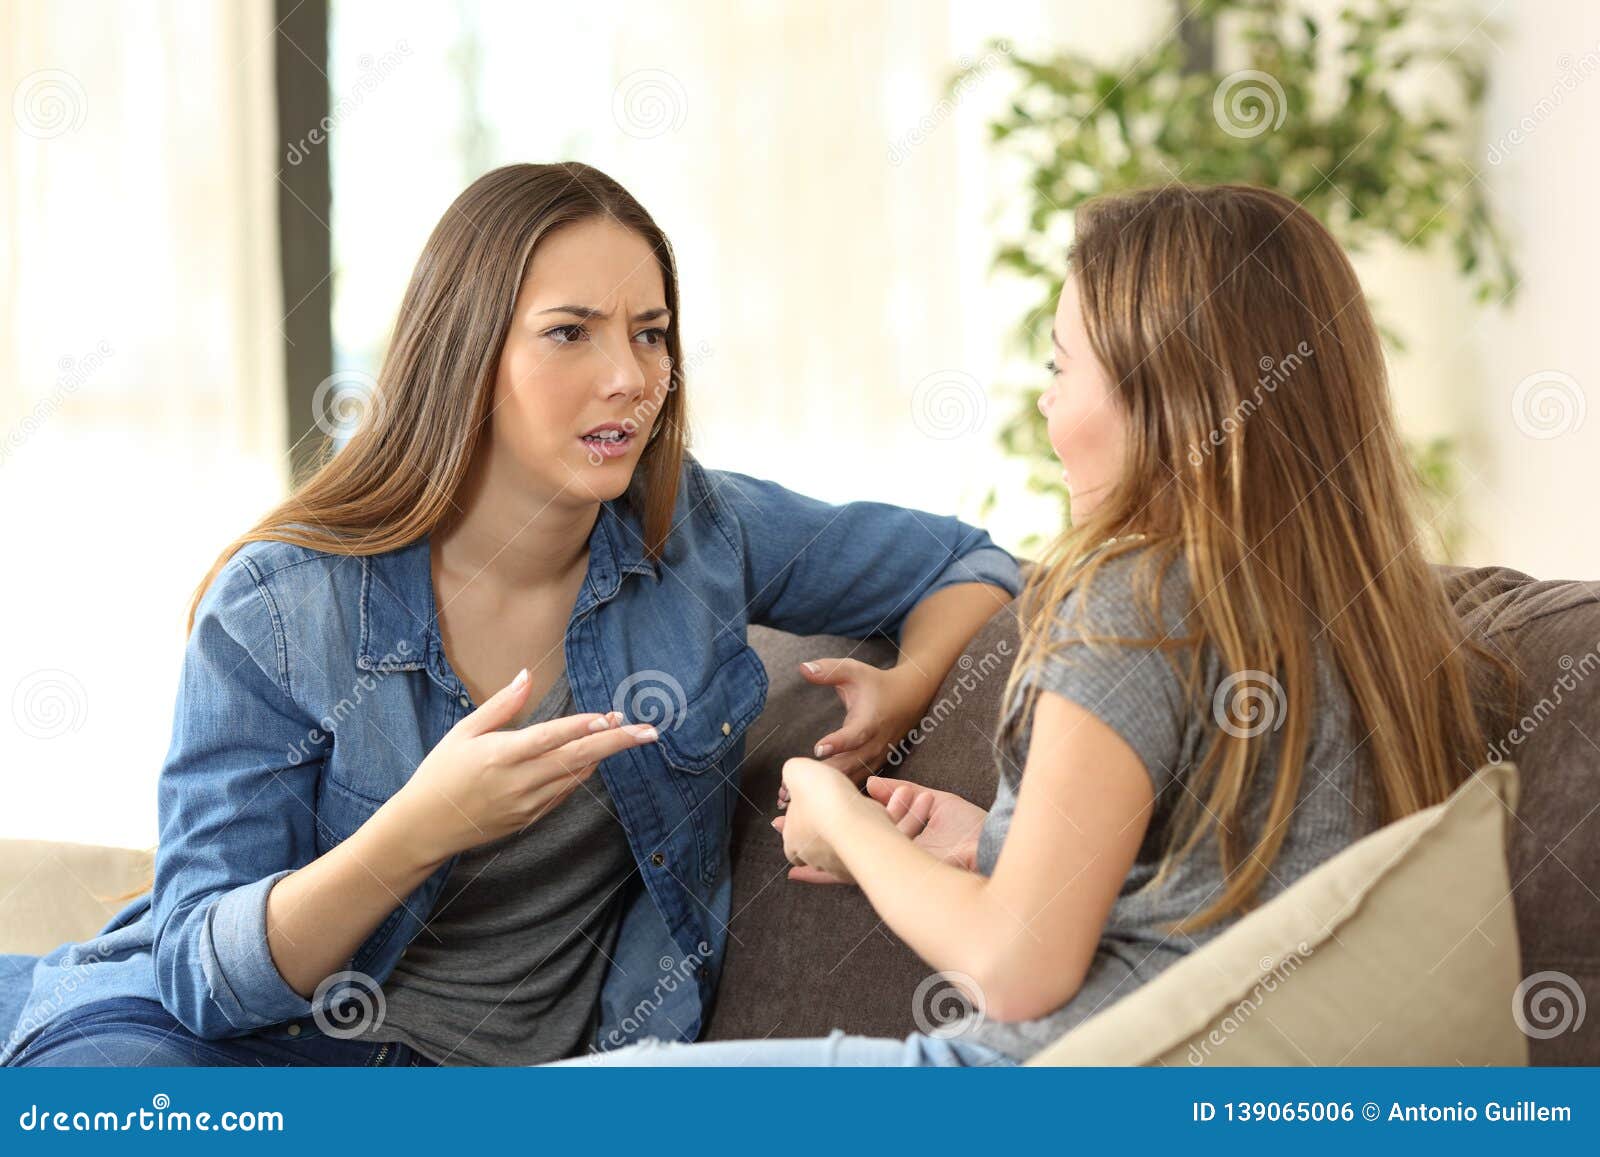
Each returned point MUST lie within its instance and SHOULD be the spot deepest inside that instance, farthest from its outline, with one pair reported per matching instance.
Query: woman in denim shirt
(516, 508)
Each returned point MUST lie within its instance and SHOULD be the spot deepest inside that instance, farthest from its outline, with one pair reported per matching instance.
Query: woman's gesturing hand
(481, 783)
(880, 707)
(941, 823)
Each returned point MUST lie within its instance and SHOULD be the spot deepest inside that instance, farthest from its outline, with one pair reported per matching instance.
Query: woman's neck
(515, 537)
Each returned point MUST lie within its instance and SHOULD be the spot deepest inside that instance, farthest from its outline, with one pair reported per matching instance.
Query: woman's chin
(603, 478)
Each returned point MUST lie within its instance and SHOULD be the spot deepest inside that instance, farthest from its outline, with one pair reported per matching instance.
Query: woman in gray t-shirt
(1233, 665)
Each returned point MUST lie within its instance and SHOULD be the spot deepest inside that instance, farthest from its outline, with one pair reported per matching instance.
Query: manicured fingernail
(824, 750)
(522, 677)
(812, 667)
(601, 723)
(642, 731)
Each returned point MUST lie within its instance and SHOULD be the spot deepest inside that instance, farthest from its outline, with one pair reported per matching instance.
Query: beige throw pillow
(1401, 950)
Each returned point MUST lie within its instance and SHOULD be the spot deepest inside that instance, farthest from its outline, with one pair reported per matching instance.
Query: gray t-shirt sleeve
(1136, 689)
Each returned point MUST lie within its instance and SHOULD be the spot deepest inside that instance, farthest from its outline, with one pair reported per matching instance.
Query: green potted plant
(1312, 112)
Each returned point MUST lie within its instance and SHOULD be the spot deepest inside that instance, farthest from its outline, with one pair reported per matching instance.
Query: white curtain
(141, 407)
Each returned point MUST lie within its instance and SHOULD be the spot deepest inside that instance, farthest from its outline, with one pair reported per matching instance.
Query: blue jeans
(132, 1032)
(836, 1050)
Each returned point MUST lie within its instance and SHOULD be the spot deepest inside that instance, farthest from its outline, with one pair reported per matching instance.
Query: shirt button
(727, 729)
(294, 1030)
(465, 702)
(657, 859)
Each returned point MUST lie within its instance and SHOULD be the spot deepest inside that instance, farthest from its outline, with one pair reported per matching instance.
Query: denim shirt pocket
(711, 726)
(715, 719)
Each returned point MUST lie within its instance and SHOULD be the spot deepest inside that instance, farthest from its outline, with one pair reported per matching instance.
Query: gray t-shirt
(509, 967)
(1142, 695)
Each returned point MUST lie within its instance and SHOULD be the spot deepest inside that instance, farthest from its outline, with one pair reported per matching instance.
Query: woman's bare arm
(1026, 934)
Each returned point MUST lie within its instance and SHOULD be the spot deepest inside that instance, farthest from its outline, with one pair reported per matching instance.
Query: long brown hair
(1262, 453)
(397, 477)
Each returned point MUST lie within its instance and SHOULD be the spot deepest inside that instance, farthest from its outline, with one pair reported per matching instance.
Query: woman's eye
(652, 336)
(1052, 367)
(566, 333)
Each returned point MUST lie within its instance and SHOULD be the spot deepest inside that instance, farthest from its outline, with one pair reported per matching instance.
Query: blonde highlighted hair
(1262, 453)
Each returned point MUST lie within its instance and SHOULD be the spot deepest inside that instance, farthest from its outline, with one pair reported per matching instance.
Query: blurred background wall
(836, 208)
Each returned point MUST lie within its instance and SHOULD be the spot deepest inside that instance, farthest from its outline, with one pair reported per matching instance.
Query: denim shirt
(313, 685)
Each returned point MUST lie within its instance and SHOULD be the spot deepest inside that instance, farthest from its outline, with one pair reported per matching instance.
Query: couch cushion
(1338, 970)
(802, 958)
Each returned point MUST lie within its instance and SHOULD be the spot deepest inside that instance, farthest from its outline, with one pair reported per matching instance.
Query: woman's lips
(613, 446)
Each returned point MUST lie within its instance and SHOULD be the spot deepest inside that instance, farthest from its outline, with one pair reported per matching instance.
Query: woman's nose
(1046, 400)
(624, 378)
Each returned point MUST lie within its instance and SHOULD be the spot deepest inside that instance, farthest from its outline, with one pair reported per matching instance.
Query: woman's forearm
(939, 628)
(940, 910)
(319, 915)
(927, 902)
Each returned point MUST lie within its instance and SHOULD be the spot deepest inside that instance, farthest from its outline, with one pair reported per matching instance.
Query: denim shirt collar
(399, 621)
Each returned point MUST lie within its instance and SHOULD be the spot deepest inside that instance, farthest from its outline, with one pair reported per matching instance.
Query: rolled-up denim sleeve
(854, 569)
(236, 798)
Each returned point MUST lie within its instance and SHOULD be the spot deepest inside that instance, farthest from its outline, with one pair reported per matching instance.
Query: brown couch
(804, 959)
